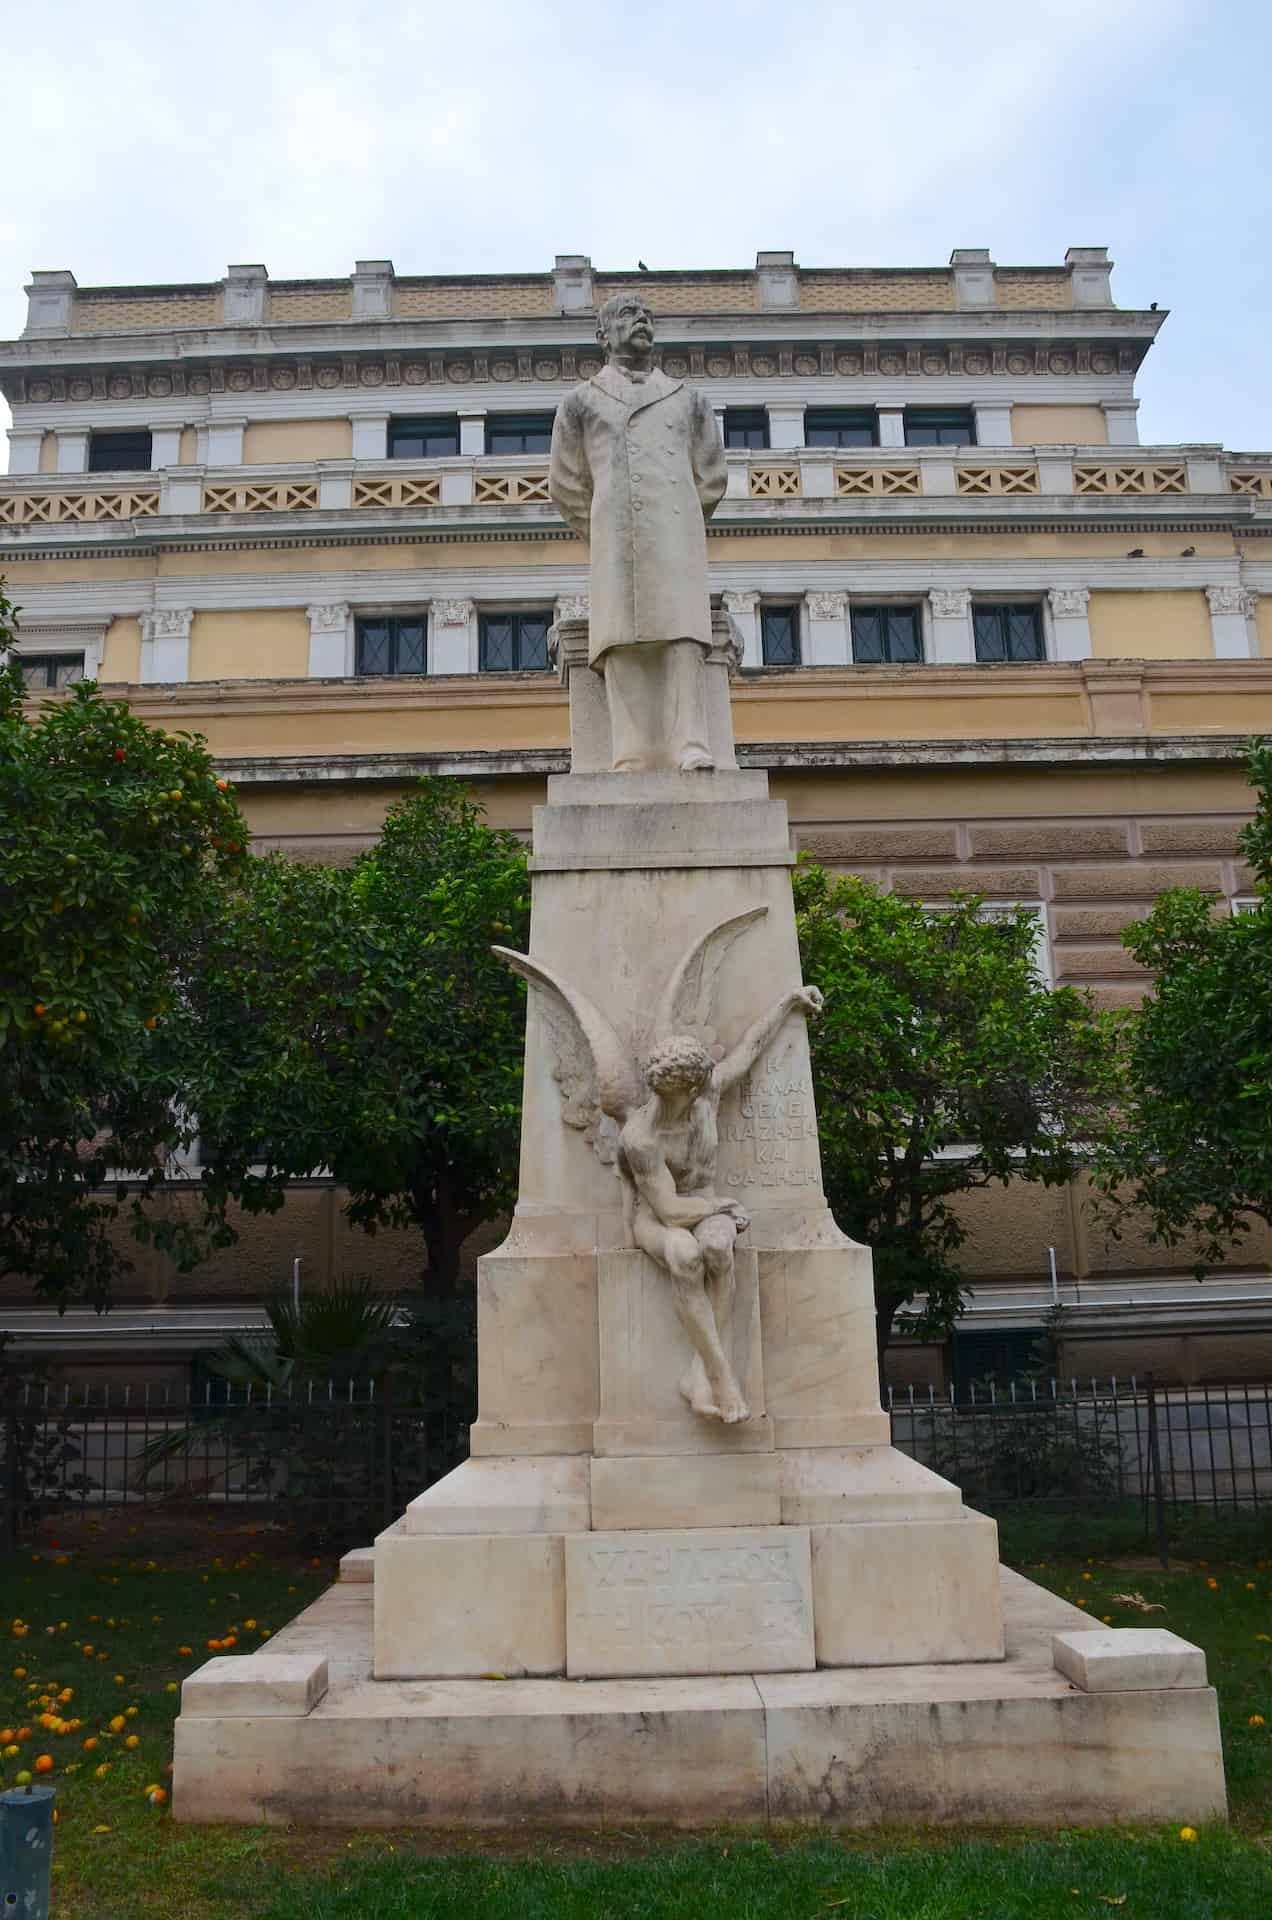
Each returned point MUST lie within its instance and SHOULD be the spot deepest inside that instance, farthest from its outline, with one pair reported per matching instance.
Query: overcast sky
(148, 142)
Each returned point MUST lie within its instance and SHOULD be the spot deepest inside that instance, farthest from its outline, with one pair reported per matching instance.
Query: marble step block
(540, 1493)
(695, 1600)
(645, 1354)
(903, 1592)
(1128, 1660)
(464, 1605)
(686, 1490)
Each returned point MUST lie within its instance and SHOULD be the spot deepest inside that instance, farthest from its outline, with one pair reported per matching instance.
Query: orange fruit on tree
(44, 1763)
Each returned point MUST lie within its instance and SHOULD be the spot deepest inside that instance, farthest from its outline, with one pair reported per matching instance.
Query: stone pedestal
(678, 1544)
(698, 1577)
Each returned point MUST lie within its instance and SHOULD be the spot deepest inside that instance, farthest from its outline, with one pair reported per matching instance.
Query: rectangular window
(1010, 632)
(940, 427)
(746, 429)
(887, 636)
(435, 436)
(841, 427)
(119, 452)
(779, 636)
(42, 670)
(513, 642)
(390, 643)
(512, 433)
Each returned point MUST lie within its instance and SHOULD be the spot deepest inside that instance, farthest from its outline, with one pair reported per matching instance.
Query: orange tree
(114, 838)
(354, 1019)
(942, 1064)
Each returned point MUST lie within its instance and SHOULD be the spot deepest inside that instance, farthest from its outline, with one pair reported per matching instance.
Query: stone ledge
(1128, 1660)
(256, 1685)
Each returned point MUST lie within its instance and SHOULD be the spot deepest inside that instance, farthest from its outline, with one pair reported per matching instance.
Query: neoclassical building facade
(990, 638)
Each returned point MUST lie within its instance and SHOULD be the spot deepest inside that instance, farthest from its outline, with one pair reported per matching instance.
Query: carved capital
(452, 613)
(740, 602)
(167, 623)
(826, 606)
(950, 603)
(1231, 600)
(573, 606)
(1069, 603)
(331, 617)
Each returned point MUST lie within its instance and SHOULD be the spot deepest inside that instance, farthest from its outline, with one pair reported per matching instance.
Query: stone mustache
(656, 1121)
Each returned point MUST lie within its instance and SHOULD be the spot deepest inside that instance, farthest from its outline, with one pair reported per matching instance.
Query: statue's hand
(810, 1000)
(737, 1213)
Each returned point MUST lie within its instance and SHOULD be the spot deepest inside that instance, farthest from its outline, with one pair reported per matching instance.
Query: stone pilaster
(372, 289)
(50, 298)
(329, 653)
(452, 637)
(973, 277)
(826, 623)
(1069, 621)
(952, 643)
(744, 610)
(165, 646)
(246, 289)
(1232, 611)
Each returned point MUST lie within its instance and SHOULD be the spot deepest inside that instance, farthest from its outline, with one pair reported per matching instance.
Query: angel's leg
(677, 1250)
(716, 1237)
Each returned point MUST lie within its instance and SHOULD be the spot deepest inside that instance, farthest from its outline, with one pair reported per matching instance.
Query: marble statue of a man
(637, 467)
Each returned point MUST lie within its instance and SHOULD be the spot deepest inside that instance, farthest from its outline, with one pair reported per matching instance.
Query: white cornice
(184, 344)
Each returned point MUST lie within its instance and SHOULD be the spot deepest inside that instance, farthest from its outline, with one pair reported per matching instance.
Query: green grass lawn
(119, 1857)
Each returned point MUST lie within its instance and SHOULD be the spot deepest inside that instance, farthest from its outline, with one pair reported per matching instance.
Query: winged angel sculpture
(650, 1108)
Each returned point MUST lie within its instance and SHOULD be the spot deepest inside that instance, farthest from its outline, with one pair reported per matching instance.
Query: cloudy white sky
(148, 142)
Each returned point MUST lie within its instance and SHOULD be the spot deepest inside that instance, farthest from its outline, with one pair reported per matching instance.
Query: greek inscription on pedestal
(699, 1601)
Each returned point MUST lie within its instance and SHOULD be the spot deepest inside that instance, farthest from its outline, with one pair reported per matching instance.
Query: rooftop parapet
(58, 307)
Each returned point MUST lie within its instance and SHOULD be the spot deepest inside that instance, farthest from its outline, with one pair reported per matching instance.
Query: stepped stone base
(1010, 1742)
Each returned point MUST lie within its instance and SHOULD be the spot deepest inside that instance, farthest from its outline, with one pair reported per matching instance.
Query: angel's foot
(697, 762)
(696, 1389)
(733, 1408)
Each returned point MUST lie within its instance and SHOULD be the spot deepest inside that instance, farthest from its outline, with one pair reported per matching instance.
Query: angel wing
(687, 1003)
(598, 1074)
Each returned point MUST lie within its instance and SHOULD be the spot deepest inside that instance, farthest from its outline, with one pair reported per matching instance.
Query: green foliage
(942, 1063)
(1194, 1149)
(354, 1018)
(344, 1333)
(114, 837)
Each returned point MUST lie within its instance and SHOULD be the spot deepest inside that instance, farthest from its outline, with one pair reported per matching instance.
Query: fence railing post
(1155, 1471)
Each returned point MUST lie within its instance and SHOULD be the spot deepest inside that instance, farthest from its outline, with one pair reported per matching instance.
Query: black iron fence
(335, 1461)
(342, 1460)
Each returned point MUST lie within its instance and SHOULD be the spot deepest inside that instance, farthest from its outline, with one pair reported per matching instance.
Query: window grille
(119, 452)
(391, 643)
(887, 636)
(514, 433)
(841, 427)
(940, 427)
(433, 436)
(513, 641)
(1009, 632)
(746, 429)
(779, 636)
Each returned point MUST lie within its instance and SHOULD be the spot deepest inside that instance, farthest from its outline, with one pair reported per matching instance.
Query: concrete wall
(271, 442)
(1148, 625)
(1058, 426)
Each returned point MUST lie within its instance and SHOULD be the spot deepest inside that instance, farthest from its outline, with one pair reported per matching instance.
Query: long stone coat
(637, 467)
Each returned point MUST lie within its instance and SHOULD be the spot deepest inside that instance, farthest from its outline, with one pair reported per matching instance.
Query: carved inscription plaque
(697, 1600)
(768, 1130)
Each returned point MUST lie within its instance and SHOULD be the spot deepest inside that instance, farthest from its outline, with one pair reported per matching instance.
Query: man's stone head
(678, 1065)
(625, 321)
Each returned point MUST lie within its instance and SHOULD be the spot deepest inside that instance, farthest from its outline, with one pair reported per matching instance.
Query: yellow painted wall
(1263, 625)
(1150, 626)
(270, 442)
(121, 658)
(254, 644)
(48, 453)
(189, 446)
(1059, 426)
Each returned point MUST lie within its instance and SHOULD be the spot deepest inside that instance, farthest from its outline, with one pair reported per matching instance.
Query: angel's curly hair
(678, 1064)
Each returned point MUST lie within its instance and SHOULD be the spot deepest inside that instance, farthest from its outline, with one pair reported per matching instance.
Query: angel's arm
(657, 1188)
(618, 1086)
(737, 1064)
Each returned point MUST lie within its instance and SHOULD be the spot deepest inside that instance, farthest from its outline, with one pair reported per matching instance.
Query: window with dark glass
(518, 432)
(746, 429)
(119, 452)
(433, 436)
(390, 643)
(940, 427)
(513, 642)
(841, 427)
(779, 636)
(1010, 632)
(887, 636)
(42, 670)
